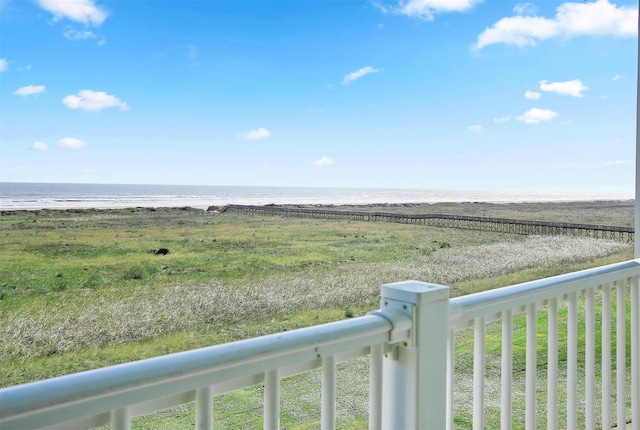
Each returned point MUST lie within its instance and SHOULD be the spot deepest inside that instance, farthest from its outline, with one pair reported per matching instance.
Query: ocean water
(16, 195)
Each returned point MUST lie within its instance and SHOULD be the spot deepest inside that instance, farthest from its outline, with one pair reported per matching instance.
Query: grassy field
(80, 290)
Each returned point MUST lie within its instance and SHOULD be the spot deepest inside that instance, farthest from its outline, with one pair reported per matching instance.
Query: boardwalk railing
(411, 344)
(502, 225)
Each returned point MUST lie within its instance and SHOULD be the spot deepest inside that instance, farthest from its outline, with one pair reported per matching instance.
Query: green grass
(84, 290)
(59, 252)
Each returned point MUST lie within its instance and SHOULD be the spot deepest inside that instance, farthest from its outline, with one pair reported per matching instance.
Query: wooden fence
(501, 225)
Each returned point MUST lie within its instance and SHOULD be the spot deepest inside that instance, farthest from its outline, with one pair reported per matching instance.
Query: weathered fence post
(414, 374)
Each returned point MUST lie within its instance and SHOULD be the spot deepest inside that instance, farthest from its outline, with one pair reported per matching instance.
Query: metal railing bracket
(401, 315)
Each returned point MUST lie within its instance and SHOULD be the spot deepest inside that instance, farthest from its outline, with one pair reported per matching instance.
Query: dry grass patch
(110, 316)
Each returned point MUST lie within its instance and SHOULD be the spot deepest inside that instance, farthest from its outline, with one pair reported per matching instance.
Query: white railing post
(121, 419)
(415, 374)
(204, 408)
(328, 411)
(637, 184)
(375, 387)
(272, 400)
(635, 353)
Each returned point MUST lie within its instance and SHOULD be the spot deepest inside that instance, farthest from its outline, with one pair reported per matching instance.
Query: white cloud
(74, 35)
(323, 162)
(573, 88)
(40, 146)
(4, 65)
(83, 11)
(71, 143)
(536, 116)
(358, 74)
(533, 95)
(618, 77)
(257, 134)
(517, 30)
(426, 9)
(573, 19)
(502, 119)
(90, 100)
(525, 9)
(475, 128)
(29, 90)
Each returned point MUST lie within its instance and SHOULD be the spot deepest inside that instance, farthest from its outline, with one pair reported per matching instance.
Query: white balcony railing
(411, 343)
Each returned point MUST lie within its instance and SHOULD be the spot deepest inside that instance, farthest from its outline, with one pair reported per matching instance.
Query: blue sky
(429, 94)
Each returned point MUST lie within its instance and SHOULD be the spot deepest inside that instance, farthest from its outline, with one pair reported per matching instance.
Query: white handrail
(490, 304)
(97, 392)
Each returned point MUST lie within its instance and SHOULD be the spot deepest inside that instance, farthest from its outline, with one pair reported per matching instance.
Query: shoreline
(24, 196)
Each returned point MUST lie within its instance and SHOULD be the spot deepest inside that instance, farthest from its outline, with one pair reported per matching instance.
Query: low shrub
(94, 281)
(140, 272)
